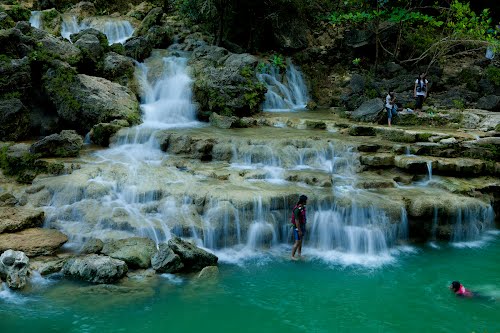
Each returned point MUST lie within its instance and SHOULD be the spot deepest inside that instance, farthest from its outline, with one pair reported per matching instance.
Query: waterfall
(123, 195)
(71, 26)
(429, 170)
(117, 31)
(167, 100)
(36, 19)
(286, 92)
(469, 223)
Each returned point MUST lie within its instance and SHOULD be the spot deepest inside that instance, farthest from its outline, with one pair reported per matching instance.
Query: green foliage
(459, 104)
(356, 61)
(24, 168)
(5, 59)
(493, 75)
(49, 15)
(247, 72)
(278, 61)
(19, 13)
(263, 68)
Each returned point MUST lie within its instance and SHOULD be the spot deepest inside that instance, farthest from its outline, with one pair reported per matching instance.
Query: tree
(434, 31)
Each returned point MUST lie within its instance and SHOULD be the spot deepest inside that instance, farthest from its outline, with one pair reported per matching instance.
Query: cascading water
(123, 194)
(36, 19)
(167, 100)
(285, 92)
(117, 31)
(470, 223)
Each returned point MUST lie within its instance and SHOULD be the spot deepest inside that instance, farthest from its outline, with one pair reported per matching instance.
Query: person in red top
(460, 290)
(299, 225)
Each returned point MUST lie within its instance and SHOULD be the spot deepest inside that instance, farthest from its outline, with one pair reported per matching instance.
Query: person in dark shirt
(299, 225)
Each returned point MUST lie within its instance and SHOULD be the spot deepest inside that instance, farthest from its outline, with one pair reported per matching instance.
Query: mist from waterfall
(285, 92)
(117, 31)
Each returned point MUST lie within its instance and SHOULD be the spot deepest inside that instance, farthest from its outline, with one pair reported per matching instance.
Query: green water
(272, 294)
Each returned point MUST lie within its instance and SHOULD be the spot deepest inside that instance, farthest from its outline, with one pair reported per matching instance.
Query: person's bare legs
(297, 246)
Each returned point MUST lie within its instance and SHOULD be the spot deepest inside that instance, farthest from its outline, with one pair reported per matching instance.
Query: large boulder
(67, 143)
(6, 21)
(118, 68)
(14, 219)
(102, 133)
(15, 75)
(57, 48)
(370, 111)
(14, 120)
(51, 21)
(152, 18)
(34, 242)
(83, 9)
(91, 47)
(166, 261)
(226, 83)
(490, 103)
(14, 268)
(83, 101)
(135, 251)
(140, 47)
(193, 258)
(95, 268)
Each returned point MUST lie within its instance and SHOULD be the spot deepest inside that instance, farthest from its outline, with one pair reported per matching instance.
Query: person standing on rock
(390, 106)
(299, 225)
(420, 91)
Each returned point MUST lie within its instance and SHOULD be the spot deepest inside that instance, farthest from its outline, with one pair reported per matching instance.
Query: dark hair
(302, 199)
(455, 285)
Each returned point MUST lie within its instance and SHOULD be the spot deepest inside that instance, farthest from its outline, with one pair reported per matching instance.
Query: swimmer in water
(460, 290)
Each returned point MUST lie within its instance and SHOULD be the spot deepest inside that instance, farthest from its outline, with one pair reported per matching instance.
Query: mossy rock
(6, 21)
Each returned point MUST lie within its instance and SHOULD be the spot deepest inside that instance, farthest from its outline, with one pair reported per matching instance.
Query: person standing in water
(299, 225)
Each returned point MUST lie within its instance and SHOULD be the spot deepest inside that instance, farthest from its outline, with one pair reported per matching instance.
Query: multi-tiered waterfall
(231, 191)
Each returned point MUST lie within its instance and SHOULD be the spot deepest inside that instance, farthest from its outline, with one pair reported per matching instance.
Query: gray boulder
(116, 67)
(222, 121)
(193, 258)
(140, 47)
(166, 261)
(34, 242)
(152, 18)
(15, 74)
(490, 103)
(102, 133)
(135, 251)
(369, 111)
(226, 83)
(95, 268)
(59, 49)
(90, 46)
(67, 143)
(14, 268)
(6, 21)
(357, 84)
(14, 120)
(14, 219)
(93, 245)
(83, 101)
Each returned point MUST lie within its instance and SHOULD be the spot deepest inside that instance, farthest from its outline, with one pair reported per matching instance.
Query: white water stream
(117, 31)
(285, 92)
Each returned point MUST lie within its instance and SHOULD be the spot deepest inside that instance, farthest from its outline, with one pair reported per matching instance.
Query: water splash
(469, 223)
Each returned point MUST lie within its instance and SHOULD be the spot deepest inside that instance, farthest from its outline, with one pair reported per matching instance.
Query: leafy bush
(18, 13)
(493, 74)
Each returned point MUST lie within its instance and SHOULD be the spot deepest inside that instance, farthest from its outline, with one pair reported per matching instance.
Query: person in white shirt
(420, 91)
(390, 106)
